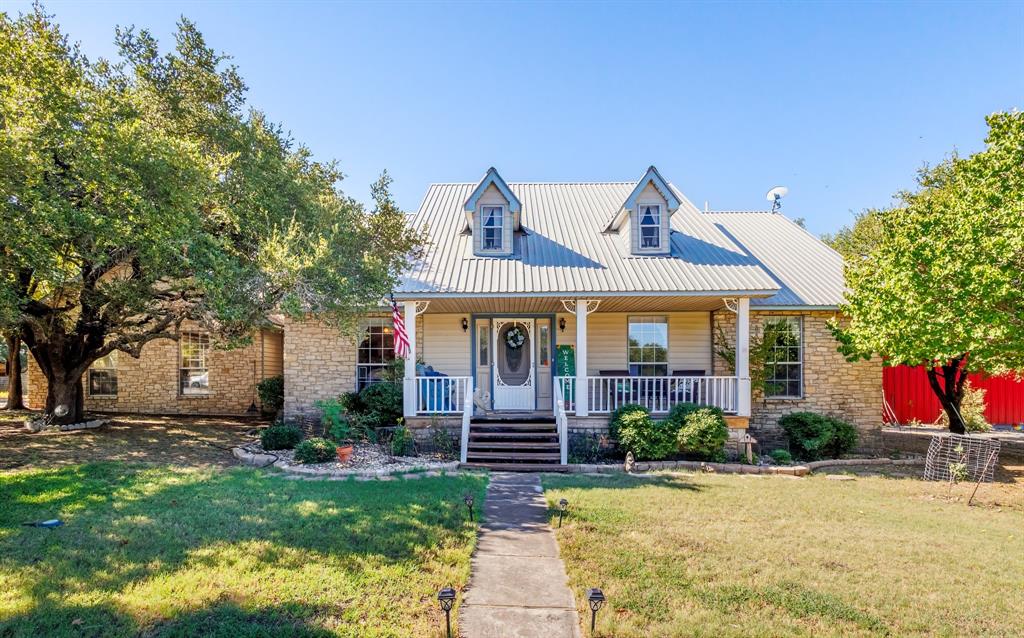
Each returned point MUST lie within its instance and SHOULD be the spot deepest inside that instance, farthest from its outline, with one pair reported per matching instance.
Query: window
(784, 376)
(648, 346)
(650, 226)
(483, 344)
(195, 376)
(493, 218)
(102, 378)
(544, 340)
(376, 352)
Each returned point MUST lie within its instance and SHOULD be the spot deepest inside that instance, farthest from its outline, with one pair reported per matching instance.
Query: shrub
(814, 436)
(972, 409)
(280, 437)
(382, 403)
(443, 442)
(351, 402)
(703, 434)
(332, 414)
(677, 415)
(781, 457)
(401, 441)
(271, 391)
(615, 420)
(647, 439)
(315, 450)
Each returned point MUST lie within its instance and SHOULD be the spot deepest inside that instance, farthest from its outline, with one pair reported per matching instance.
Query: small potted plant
(341, 431)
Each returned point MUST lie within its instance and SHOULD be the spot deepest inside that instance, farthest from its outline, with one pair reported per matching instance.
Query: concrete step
(513, 445)
(511, 435)
(514, 456)
(521, 427)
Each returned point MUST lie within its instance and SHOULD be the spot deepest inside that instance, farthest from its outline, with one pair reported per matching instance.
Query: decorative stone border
(39, 425)
(738, 468)
(256, 459)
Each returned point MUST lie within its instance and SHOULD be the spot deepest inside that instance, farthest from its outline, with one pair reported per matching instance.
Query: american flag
(401, 336)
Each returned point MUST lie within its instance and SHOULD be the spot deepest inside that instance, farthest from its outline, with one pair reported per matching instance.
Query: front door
(514, 370)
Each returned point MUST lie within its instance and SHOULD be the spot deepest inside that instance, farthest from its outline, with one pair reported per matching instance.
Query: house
(189, 375)
(537, 310)
(538, 302)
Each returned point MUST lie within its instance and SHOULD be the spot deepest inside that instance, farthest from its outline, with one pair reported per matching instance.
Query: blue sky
(842, 103)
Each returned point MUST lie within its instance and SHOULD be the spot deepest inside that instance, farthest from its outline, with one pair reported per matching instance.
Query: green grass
(156, 551)
(717, 555)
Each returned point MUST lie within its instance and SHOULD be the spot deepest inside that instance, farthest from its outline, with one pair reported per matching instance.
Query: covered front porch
(579, 358)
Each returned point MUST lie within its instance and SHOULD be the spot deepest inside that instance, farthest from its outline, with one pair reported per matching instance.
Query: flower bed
(368, 459)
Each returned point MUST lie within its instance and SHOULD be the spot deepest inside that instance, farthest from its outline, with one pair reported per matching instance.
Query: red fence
(911, 398)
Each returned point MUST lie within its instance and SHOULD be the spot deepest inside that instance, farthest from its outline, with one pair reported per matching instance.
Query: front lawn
(718, 555)
(157, 551)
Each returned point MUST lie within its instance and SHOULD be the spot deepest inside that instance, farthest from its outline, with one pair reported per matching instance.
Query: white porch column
(582, 401)
(409, 397)
(743, 356)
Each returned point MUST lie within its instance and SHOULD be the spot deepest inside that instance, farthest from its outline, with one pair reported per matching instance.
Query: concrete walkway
(518, 587)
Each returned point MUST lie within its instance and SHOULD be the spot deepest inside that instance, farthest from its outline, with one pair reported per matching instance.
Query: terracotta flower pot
(344, 452)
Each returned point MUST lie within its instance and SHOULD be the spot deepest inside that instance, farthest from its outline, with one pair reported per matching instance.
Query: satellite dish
(775, 196)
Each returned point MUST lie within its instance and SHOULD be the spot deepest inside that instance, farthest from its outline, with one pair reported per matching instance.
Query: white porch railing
(467, 416)
(657, 394)
(443, 395)
(565, 387)
(561, 423)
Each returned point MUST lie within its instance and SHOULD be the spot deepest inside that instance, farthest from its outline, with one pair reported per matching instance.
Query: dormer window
(650, 227)
(493, 218)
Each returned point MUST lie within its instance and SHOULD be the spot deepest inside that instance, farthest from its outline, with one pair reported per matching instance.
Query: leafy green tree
(856, 242)
(141, 193)
(944, 287)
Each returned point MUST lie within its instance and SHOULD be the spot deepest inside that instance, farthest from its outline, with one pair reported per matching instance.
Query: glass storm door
(514, 373)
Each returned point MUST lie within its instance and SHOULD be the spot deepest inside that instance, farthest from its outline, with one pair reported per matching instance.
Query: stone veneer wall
(319, 363)
(832, 385)
(149, 384)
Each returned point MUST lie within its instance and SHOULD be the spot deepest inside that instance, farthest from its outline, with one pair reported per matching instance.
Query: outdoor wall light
(562, 504)
(596, 599)
(561, 324)
(468, 498)
(446, 598)
(465, 324)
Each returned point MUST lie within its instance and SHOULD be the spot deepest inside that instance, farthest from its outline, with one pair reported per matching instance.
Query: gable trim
(492, 177)
(653, 177)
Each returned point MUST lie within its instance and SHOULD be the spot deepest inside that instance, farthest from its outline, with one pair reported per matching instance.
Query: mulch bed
(180, 440)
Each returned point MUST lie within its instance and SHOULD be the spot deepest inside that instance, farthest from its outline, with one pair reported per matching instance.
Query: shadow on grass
(129, 528)
(621, 481)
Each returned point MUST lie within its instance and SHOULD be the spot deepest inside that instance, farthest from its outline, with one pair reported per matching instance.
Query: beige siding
(445, 345)
(689, 340)
(493, 197)
(273, 353)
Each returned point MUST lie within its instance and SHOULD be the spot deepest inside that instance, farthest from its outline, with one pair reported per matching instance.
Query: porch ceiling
(550, 305)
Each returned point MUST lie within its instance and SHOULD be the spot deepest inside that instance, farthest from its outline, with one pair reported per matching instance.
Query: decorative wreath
(515, 338)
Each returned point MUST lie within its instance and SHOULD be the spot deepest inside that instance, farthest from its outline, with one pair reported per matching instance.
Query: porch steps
(514, 445)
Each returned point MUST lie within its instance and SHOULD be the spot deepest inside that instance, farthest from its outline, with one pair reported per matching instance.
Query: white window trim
(93, 367)
(194, 392)
(373, 322)
(630, 319)
(639, 229)
(500, 227)
(800, 335)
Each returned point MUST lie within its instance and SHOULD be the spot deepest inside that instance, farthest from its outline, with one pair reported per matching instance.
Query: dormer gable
(493, 214)
(647, 213)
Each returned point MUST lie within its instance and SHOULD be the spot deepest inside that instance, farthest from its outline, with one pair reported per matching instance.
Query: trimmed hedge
(280, 437)
(647, 439)
(315, 450)
(704, 434)
(813, 436)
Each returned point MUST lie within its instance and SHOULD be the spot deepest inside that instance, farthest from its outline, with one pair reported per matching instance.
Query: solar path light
(562, 505)
(468, 499)
(596, 599)
(446, 598)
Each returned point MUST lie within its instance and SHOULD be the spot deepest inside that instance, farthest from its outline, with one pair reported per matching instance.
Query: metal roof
(563, 250)
(807, 271)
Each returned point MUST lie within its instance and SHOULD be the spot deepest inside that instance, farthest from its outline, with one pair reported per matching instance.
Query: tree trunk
(64, 400)
(14, 390)
(951, 390)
